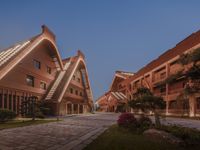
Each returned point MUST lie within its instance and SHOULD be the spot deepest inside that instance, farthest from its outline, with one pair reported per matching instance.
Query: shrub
(39, 114)
(127, 120)
(188, 135)
(46, 111)
(144, 122)
(6, 115)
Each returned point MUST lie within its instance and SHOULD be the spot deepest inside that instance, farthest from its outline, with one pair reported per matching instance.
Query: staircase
(57, 81)
(85, 83)
(8, 54)
(59, 86)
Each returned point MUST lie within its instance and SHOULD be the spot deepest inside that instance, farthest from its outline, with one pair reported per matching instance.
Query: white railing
(57, 82)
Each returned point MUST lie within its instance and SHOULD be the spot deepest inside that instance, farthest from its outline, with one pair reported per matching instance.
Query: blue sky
(113, 34)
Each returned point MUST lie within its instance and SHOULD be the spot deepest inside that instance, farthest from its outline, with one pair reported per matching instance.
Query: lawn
(22, 123)
(116, 138)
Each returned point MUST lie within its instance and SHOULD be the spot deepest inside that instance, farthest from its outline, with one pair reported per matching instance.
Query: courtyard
(73, 132)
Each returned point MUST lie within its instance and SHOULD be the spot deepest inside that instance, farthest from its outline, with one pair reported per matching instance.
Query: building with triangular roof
(34, 68)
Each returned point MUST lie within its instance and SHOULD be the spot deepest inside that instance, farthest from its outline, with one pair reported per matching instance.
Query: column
(65, 108)
(2, 99)
(192, 105)
(167, 90)
(72, 106)
(7, 99)
(78, 109)
(16, 101)
(167, 107)
(12, 101)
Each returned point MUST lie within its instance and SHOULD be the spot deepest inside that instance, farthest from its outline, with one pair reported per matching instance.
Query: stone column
(192, 105)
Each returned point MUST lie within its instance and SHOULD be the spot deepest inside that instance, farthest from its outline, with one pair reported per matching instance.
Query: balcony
(77, 84)
(173, 96)
(175, 69)
(73, 96)
(158, 80)
(175, 91)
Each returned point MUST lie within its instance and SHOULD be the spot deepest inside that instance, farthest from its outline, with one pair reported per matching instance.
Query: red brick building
(34, 68)
(157, 71)
(115, 99)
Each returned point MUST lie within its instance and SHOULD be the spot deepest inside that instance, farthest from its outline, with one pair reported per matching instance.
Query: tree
(28, 107)
(146, 101)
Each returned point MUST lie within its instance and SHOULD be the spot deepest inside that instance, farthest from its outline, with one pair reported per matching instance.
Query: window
(1, 101)
(81, 94)
(36, 64)
(10, 101)
(198, 103)
(173, 104)
(48, 70)
(43, 85)
(163, 75)
(79, 80)
(74, 77)
(5, 100)
(76, 92)
(163, 89)
(30, 80)
(14, 102)
(71, 90)
(130, 87)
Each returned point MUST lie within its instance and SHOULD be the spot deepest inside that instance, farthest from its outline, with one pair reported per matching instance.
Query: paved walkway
(74, 133)
(183, 122)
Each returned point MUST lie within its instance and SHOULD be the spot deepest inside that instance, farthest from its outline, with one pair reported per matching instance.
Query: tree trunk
(157, 119)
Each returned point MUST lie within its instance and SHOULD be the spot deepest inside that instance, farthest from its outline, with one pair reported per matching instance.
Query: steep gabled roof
(11, 56)
(124, 74)
(120, 76)
(65, 76)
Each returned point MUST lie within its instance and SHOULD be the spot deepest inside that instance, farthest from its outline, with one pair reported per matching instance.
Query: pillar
(2, 99)
(12, 99)
(72, 106)
(167, 107)
(66, 109)
(78, 109)
(192, 105)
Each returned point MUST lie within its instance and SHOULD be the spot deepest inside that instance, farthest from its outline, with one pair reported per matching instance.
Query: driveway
(72, 133)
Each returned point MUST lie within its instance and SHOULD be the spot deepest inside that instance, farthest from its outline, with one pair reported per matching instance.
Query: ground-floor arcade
(73, 108)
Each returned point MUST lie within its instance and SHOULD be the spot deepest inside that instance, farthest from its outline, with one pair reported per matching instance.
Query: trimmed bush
(6, 115)
(144, 122)
(40, 115)
(127, 120)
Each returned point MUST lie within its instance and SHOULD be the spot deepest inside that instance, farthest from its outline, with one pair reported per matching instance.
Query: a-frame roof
(119, 77)
(11, 56)
(70, 66)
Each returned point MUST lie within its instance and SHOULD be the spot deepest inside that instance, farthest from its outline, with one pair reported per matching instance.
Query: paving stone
(71, 133)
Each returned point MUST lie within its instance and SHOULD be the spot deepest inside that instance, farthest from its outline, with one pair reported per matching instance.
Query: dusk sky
(114, 34)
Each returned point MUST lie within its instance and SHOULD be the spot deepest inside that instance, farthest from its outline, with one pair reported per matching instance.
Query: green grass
(22, 123)
(116, 138)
